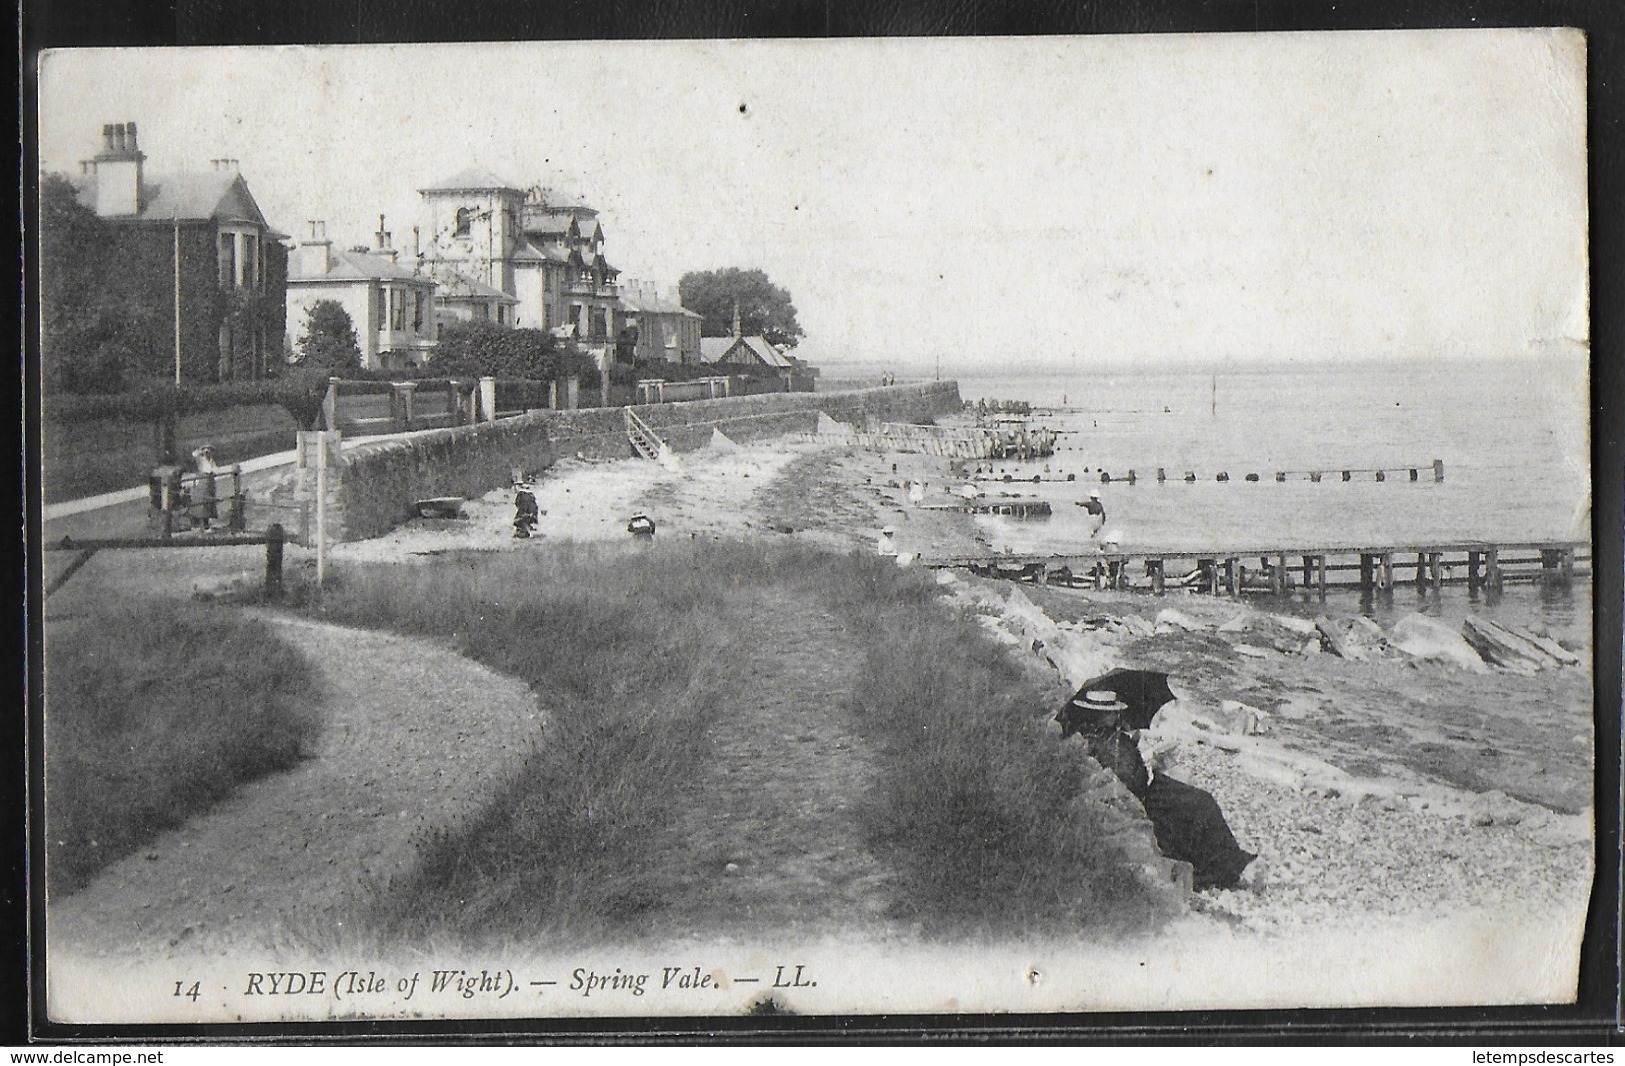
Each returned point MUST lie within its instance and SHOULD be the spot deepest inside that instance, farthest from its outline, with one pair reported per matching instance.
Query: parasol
(1143, 692)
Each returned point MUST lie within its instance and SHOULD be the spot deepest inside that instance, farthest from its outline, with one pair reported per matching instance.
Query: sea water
(1513, 437)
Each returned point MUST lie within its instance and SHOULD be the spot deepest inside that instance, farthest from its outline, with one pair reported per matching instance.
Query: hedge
(152, 401)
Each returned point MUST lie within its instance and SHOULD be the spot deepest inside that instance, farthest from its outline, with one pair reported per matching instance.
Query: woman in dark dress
(1187, 820)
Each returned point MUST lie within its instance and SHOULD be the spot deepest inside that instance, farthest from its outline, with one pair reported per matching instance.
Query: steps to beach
(646, 443)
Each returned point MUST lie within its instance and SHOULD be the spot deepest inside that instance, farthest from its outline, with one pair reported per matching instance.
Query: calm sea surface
(1513, 436)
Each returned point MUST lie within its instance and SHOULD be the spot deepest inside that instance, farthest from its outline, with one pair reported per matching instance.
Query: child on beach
(525, 511)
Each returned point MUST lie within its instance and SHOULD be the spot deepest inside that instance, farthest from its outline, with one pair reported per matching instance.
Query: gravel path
(415, 738)
(773, 842)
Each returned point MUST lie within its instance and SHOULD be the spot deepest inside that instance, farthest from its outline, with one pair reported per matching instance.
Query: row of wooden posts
(1411, 473)
(1483, 567)
(174, 495)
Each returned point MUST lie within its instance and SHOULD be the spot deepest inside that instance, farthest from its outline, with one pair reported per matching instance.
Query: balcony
(393, 340)
(607, 290)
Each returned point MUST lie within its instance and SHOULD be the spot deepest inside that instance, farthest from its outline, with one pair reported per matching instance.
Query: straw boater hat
(889, 530)
(1100, 699)
(1094, 494)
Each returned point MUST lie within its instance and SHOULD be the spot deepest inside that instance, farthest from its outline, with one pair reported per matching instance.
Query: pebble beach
(1349, 827)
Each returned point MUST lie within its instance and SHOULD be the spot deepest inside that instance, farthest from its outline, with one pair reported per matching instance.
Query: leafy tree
(91, 337)
(764, 308)
(487, 349)
(329, 340)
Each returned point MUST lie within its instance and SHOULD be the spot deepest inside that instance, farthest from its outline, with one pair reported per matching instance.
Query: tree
(329, 340)
(92, 334)
(764, 308)
(487, 349)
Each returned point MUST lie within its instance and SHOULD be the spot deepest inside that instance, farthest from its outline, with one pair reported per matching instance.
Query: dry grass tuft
(982, 815)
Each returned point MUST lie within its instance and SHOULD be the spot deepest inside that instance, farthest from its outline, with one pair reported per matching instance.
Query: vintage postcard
(724, 528)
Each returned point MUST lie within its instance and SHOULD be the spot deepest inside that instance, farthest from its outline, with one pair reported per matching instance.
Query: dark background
(69, 23)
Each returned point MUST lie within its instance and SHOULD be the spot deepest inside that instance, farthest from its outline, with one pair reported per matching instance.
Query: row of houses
(490, 251)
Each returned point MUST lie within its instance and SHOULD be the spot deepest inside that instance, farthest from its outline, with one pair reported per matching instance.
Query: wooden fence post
(274, 538)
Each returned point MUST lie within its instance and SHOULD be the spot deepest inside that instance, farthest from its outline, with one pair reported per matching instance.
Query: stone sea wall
(600, 433)
(373, 487)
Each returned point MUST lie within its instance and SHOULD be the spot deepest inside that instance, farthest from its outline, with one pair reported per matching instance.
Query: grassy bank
(986, 825)
(153, 713)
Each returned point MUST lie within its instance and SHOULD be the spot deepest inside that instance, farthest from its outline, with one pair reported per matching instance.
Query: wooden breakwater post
(1429, 568)
(1557, 566)
(1407, 472)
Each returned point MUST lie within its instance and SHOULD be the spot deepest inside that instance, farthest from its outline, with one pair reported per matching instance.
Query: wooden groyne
(1430, 471)
(971, 442)
(1280, 571)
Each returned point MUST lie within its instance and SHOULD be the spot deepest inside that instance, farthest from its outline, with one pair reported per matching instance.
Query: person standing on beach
(1097, 514)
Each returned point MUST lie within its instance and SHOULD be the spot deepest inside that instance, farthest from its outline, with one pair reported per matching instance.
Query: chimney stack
(117, 169)
(385, 245)
(313, 258)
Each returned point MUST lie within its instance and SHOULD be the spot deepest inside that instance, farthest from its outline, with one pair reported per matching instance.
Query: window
(417, 312)
(381, 309)
(228, 261)
(397, 312)
(465, 218)
(251, 261)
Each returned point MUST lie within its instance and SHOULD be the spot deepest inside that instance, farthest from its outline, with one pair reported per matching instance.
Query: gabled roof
(758, 347)
(361, 266)
(455, 285)
(529, 251)
(767, 353)
(547, 221)
(472, 179)
(637, 302)
(587, 260)
(222, 196)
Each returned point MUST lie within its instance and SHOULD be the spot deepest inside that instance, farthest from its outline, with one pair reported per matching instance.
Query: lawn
(154, 712)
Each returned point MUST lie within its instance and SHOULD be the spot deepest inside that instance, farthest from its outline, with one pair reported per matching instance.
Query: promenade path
(415, 738)
(768, 840)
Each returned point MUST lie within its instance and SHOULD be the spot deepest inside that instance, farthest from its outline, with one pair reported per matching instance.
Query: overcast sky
(1209, 198)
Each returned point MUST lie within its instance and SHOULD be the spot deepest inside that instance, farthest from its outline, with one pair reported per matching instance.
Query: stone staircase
(645, 441)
